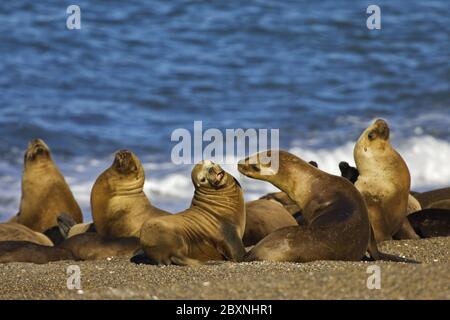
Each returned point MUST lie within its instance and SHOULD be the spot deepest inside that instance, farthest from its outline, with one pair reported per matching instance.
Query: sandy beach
(117, 278)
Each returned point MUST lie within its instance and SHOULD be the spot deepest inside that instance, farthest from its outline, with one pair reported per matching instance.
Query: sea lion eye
(371, 135)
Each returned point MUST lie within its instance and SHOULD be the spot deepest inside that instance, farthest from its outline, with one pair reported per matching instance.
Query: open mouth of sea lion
(216, 175)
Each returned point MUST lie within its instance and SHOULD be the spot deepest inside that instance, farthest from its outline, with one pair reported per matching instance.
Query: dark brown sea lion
(264, 217)
(18, 232)
(431, 222)
(45, 193)
(384, 182)
(211, 229)
(118, 202)
(337, 224)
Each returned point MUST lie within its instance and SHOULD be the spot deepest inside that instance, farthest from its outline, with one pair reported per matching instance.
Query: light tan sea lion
(264, 217)
(18, 232)
(118, 202)
(384, 182)
(336, 220)
(211, 229)
(45, 193)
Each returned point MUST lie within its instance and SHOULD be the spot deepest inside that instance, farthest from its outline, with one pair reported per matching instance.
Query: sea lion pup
(118, 202)
(348, 172)
(25, 251)
(264, 217)
(45, 193)
(18, 232)
(336, 220)
(429, 197)
(211, 229)
(384, 182)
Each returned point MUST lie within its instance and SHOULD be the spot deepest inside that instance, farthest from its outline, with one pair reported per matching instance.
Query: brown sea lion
(264, 217)
(282, 198)
(384, 182)
(45, 193)
(118, 202)
(211, 229)
(442, 204)
(25, 251)
(18, 232)
(432, 196)
(336, 220)
(92, 246)
(86, 246)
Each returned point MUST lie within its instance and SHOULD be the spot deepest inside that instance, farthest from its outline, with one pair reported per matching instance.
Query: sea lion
(337, 224)
(211, 229)
(118, 202)
(25, 251)
(86, 246)
(384, 182)
(442, 204)
(264, 217)
(431, 222)
(45, 193)
(429, 197)
(352, 174)
(282, 198)
(17, 232)
(92, 246)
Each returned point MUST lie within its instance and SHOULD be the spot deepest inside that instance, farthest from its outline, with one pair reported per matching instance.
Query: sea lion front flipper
(232, 246)
(406, 231)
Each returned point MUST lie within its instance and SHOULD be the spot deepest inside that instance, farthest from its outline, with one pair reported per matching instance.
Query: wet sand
(117, 278)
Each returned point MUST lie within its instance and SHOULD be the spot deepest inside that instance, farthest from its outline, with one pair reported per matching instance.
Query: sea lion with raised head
(384, 182)
(118, 202)
(211, 229)
(18, 232)
(45, 193)
(336, 220)
(352, 174)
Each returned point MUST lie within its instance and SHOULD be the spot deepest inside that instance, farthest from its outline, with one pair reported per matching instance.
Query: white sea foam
(428, 159)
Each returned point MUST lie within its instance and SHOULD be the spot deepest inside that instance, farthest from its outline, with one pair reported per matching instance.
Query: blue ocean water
(137, 70)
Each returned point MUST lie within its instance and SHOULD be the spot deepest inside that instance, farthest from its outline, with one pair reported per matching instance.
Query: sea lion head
(37, 152)
(207, 174)
(376, 133)
(126, 163)
(260, 165)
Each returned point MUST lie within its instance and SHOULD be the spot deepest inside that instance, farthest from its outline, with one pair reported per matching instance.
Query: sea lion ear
(237, 182)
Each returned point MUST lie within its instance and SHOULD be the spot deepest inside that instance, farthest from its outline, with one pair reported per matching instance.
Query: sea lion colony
(315, 216)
